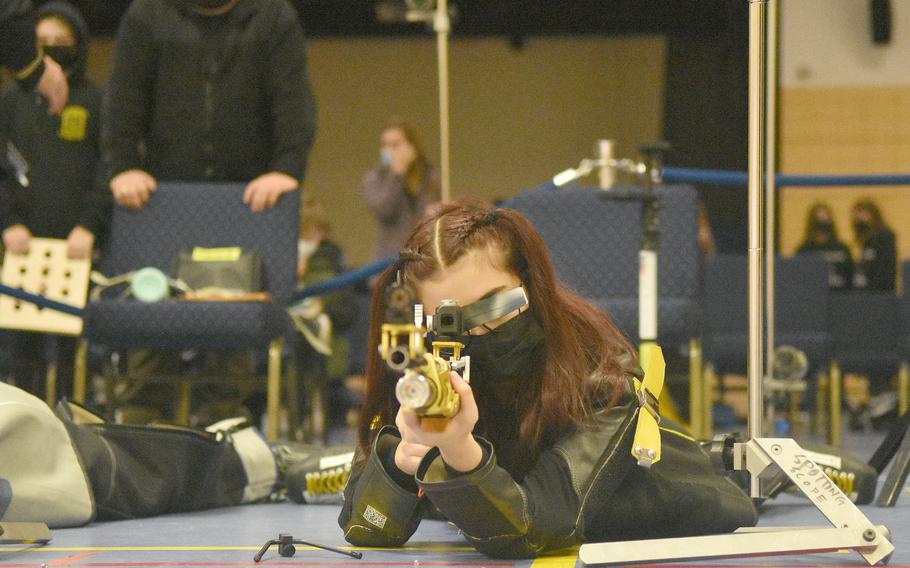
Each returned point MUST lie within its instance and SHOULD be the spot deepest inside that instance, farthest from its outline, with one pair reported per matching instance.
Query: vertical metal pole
(770, 185)
(903, 389)
(607, 173)
(442, 25)
(80, 372)
(757, 20)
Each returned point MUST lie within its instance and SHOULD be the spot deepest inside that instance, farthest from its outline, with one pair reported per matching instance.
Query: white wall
(829, 43)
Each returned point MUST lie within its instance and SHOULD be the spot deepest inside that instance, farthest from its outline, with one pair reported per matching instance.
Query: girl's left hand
(456, 442)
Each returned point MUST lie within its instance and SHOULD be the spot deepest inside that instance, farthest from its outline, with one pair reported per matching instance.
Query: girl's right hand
(409, 454)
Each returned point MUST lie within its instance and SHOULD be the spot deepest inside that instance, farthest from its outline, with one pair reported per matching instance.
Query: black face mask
(862, 227)
(511, 351)
(824, 226)
(65, 55)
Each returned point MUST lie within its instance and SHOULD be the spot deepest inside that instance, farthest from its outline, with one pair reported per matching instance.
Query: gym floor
(232, 536)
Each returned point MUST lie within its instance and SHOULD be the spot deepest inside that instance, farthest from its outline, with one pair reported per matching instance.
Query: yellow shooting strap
(646, 446)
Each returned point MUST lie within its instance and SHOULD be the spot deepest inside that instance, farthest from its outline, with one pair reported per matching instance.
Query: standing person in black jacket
(33, 69)
(208, 90)
(876, 268)
(57, 196)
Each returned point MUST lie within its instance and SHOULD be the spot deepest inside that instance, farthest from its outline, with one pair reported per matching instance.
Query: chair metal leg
(903, 389)
(274, 390)
(835, 384)
(318, 412)
(80, 372)
(707, 403)
(292, 408)
(184, 402)
(50, 384)
(821, 403)
(696, 384)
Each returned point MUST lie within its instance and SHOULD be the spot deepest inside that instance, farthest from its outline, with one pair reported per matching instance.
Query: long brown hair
(812, 222)
(877, 222)
(582, 343)
(418, 175)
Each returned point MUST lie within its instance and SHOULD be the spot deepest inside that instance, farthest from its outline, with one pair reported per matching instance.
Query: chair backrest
(866, 328)
(905, 299)
(800, 294)
(801, 305)
(726, 294)
(181, 216)
(594, 238)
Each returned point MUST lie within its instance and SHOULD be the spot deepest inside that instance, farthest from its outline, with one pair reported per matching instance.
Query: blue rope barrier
(346, 279)
(726, 177)
(40, 301)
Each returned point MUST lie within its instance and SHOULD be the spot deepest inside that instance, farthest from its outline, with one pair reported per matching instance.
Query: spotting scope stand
(650, 171)
(763, 458)
(24, 533)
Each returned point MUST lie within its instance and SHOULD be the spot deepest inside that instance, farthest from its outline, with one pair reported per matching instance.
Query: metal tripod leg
(763, 458)
(897, 475)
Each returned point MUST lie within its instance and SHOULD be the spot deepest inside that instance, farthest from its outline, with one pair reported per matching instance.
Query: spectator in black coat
(208, 90)
(876, 268)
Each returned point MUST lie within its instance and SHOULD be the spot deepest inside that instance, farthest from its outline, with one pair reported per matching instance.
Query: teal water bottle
(149, 284)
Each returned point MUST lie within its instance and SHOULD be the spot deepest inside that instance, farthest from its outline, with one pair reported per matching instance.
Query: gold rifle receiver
(425, 388)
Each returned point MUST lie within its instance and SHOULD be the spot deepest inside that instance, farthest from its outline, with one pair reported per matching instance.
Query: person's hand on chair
(264, 192)
(133, 188)
(79, 243)
(16, 239)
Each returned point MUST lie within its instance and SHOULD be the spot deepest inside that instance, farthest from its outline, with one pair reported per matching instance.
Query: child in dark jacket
(49, 186)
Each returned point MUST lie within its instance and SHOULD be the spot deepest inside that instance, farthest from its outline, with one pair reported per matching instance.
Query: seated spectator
(876, 268)
(323, 356)
(821, 238)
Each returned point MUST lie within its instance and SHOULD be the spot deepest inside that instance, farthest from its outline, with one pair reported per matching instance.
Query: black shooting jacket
(587, 487)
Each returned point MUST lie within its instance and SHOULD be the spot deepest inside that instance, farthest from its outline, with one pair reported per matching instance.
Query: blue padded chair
(867, 331)
(594, 240)
(179, 217)
(801, 301)
(594, 243)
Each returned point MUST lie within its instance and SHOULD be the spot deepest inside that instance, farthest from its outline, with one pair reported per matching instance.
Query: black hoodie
(61, 151)
(17, 37)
